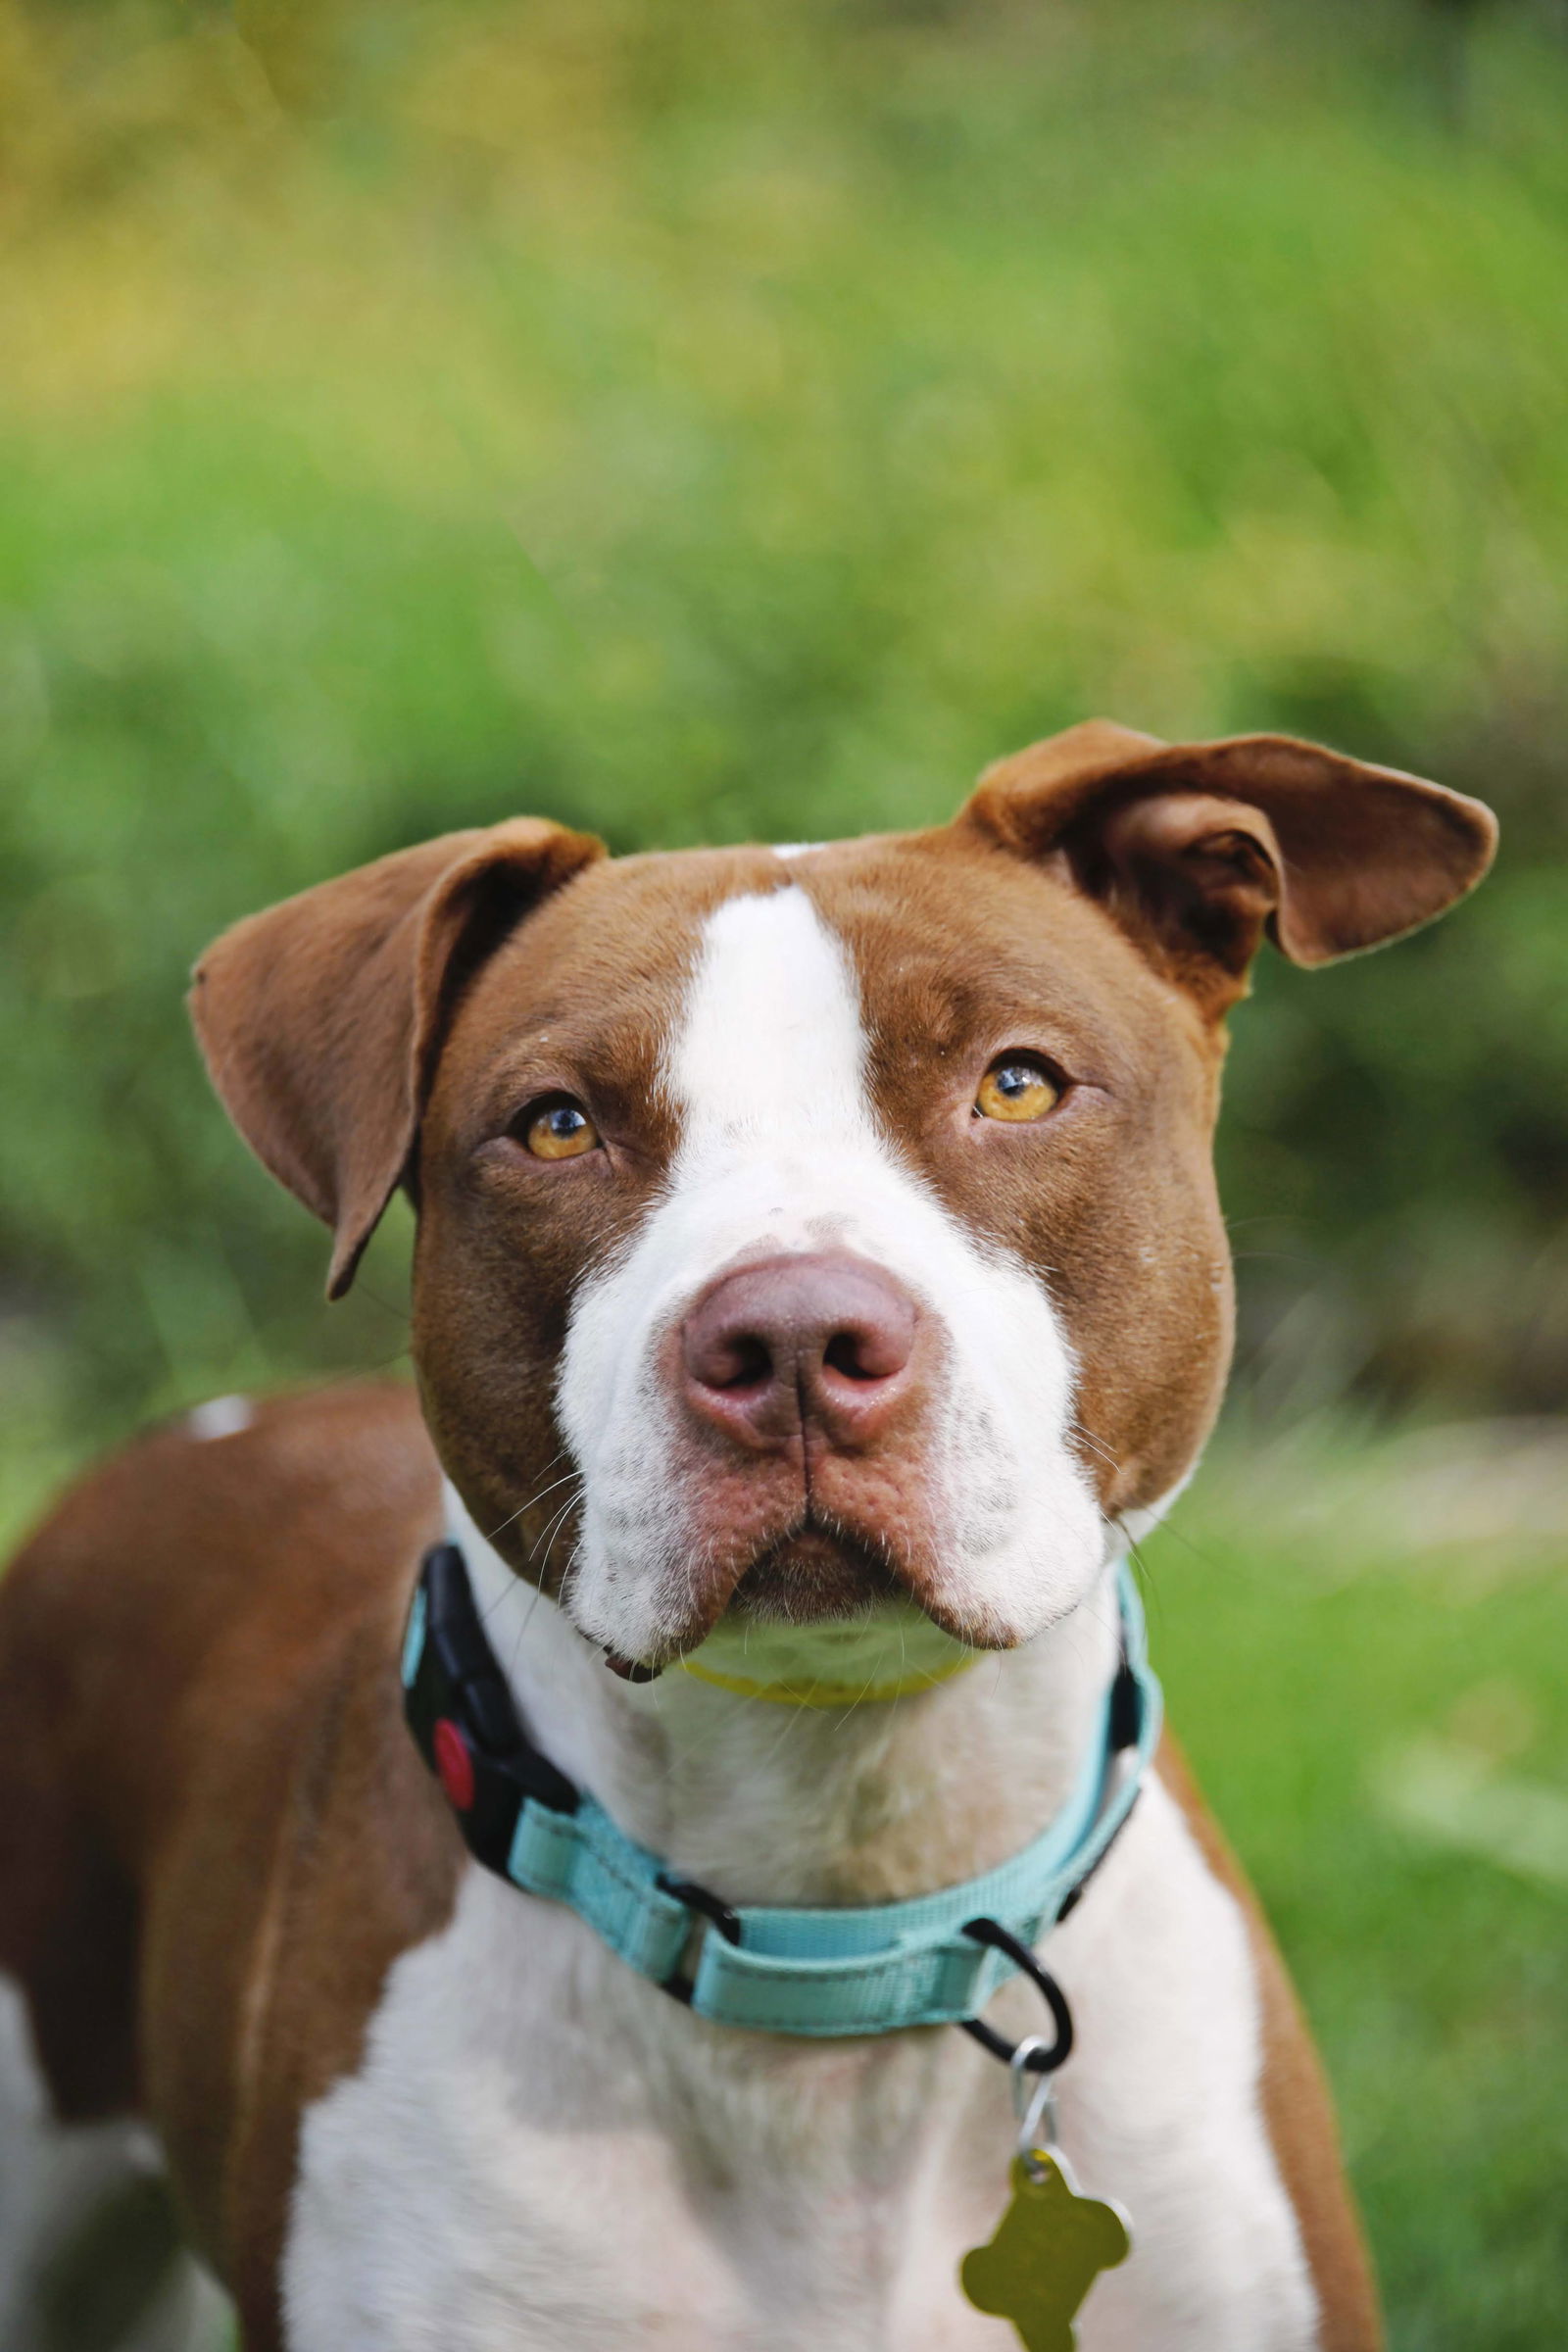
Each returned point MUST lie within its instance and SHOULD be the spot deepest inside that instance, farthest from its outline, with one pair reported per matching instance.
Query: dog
(818, 1284)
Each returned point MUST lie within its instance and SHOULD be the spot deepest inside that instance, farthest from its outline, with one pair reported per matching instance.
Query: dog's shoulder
(203, 1603)
(242, 1509)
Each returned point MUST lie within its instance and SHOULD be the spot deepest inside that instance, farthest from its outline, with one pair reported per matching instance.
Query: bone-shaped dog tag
(1049, 2247)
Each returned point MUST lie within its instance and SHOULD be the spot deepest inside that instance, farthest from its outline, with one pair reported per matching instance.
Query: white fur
(220, 1417)
(779, 1150)
(541, 2148)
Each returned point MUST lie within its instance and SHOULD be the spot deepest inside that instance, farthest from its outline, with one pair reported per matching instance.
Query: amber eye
(1018, 1088)
(559, 1131)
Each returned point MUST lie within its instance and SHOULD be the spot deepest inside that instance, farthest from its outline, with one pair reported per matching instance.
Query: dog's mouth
(814, 1575)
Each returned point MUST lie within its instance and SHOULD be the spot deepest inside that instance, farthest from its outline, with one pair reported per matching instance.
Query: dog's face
(800, 1230)
(846, 1222)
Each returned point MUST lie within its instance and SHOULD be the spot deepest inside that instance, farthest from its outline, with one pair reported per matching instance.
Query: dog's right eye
(558, 1131)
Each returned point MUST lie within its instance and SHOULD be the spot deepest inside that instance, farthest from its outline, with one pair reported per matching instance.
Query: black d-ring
(1037, 2062)
(700, 1899)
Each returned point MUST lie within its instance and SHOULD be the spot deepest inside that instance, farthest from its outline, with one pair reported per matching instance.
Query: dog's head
(802, 1228)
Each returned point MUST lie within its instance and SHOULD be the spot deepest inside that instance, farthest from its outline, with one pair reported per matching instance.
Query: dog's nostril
(849, 1353)
(743, 1361)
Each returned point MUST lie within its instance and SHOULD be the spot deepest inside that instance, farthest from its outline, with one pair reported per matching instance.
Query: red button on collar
(454, 1764)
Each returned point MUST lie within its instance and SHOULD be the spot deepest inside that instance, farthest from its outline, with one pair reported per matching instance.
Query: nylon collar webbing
(872, 1969)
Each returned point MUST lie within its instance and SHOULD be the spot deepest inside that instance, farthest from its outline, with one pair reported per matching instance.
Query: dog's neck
(783, 1804)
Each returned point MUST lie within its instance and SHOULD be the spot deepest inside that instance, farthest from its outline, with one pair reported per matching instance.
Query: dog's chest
(539, 2149)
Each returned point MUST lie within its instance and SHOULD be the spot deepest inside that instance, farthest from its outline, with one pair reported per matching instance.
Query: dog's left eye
(1018, 1088)
(559, 1131)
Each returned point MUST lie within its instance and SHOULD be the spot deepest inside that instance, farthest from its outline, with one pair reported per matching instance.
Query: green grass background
(711, 423)
(1304, 1665)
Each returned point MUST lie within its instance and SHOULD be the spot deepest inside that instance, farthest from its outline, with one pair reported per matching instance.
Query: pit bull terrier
(819, 1283)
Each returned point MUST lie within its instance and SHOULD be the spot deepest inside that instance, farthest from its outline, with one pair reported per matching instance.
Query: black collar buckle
(464, 1723)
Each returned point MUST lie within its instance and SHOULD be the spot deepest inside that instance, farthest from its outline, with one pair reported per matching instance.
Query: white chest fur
(541, 2150)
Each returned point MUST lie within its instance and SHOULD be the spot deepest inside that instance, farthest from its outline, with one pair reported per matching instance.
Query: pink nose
(821, 1340)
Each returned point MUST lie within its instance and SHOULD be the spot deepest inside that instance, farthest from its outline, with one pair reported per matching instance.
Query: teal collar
(873, 1969)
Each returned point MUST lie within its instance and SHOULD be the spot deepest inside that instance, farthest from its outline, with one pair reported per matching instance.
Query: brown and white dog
(806, 1238)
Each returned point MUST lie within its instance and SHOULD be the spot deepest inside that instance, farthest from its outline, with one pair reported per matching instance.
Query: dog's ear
(1198, 848)
(320, 1019)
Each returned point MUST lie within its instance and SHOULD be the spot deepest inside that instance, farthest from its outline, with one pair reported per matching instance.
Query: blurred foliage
(703, 423)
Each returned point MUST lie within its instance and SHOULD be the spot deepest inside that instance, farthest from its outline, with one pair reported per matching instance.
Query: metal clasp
(1034, 2100)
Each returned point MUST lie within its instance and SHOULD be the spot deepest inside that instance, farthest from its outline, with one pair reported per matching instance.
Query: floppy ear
(321, 1018)
(1198, 849)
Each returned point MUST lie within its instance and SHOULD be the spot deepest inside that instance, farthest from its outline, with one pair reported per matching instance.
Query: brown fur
(200, 1723)
(1200, 848)
(358, 980)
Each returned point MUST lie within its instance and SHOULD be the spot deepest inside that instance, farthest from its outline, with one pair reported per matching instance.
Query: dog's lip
(850, 1574)
(814, 1575)
(808, 1562)
(631, 1670)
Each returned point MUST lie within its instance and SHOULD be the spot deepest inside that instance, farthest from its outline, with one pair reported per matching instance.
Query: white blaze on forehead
(773, 1044)
(780, 1150)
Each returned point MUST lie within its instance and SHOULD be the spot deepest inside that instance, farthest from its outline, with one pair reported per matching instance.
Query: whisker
(551, 1531)
(556, 1525)
(533, 1498)
(536, 1598)
(1077, 1429)
(497, 1600)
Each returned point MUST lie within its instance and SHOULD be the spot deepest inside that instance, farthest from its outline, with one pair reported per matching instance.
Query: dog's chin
(813, 1577)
